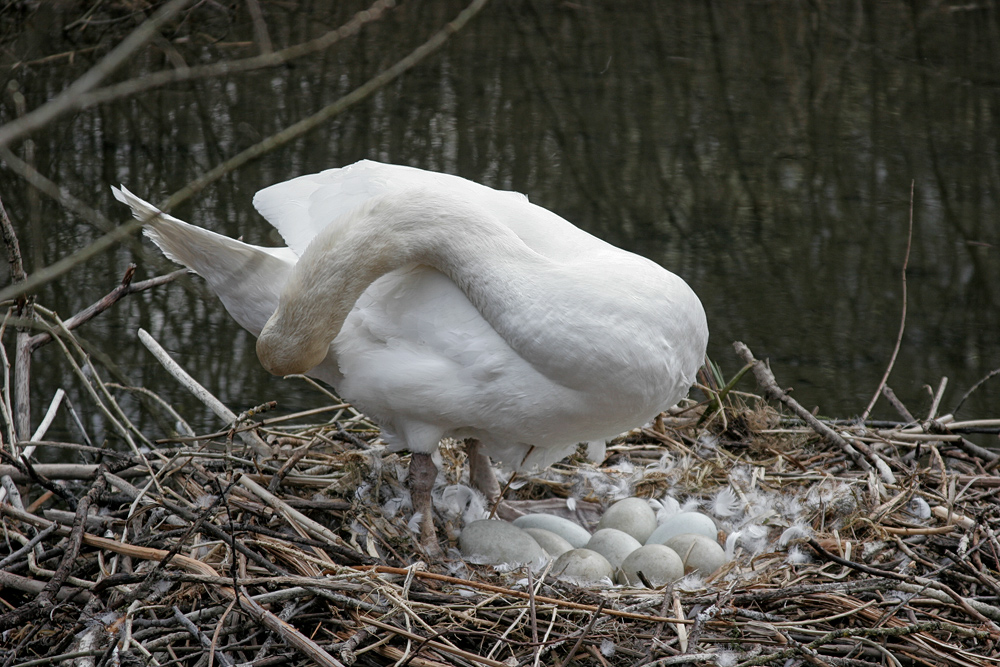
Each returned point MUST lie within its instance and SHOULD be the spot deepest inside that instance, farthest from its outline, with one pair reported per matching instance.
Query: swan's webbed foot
(421, 482)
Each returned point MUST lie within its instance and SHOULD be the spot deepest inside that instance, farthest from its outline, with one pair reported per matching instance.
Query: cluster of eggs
(627, 547)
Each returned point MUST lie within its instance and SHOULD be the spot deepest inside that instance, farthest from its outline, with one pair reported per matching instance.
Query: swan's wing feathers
(247, 278)
(289, 207)
(302, 207)
(141, 209)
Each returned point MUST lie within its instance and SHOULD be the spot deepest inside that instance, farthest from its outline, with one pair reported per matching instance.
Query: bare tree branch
(269, 144)
(66, 100)
(275, 59)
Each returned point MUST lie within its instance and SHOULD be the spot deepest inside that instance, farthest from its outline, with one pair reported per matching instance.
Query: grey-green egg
(658, 563)
(684, 522)
(630, 515)
(699, 553)
(583, 567)
(489, 541)
(613, 544)
(554, 545)
(573, 533)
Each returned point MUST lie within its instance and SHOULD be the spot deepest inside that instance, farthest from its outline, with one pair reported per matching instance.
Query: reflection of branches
(65, 101)
(52, 271)
(276, 140)
(180, 74)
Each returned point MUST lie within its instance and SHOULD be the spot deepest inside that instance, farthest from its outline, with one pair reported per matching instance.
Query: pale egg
(583, 567)
(613, 544)
(684, 522)
(573, 533)
(554, 545)
(658, 563)
(631, 515)
(699, 553)
(489, 541)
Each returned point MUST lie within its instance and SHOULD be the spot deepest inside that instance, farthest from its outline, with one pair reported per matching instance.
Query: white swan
(444, 308)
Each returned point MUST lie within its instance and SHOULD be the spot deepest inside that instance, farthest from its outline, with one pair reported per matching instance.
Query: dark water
(765, 152)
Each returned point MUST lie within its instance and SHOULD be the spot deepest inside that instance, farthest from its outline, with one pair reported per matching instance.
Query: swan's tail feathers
(247, 278)
(141, 209)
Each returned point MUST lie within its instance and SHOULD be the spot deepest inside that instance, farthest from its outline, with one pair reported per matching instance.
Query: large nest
(288, 541)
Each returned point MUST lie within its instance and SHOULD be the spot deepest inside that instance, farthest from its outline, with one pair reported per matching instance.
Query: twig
(854, 633)
(13, 247)
(125, 288)
(140, 591)
(902, 317)
(771, 390)
(247, 604)
(894, 401)
(456, 581)
(583, 635)
(113, 234)
(291, 514)
(41, 604)
(13, 556)
(992, 373)
(994, 612)
(175, 75)
(288, 465)
(263, 147)
(683, 659)
(250, 438)
(39, 433)
(440, 646)
(22, 352)
(200, 636)
(936, 402)
(259, 27)
(79, 471)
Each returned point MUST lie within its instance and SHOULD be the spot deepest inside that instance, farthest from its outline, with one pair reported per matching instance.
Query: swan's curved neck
(543, 313)
(482, 256)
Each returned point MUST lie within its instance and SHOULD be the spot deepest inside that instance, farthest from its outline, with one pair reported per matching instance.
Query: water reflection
(763, 152)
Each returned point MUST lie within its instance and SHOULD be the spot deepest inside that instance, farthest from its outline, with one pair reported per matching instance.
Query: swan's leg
(483, 478)
(481, 474)
(421, 481)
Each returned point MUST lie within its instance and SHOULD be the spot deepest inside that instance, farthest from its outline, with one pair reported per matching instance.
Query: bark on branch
(857, 451)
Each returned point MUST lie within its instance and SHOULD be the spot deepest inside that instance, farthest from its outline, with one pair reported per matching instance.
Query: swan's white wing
(302, 207)
(247, 278)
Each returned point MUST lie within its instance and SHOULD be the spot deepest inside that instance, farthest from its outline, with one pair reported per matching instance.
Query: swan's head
(283, 353)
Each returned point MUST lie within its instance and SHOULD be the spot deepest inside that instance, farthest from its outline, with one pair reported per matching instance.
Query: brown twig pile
(280, 542)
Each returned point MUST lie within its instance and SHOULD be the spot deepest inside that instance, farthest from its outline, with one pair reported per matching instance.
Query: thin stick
(125, 288)
(250, 438)
(13, 247)
(133, 87)
(519, 594)
(39, 433)
(249, 606)
(932, 413)
(583, 635)
(765, 378)
(201, 638)
(902, 317)
(444, 648)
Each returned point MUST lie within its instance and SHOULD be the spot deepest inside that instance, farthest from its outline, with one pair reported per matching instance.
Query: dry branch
(771, 390)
